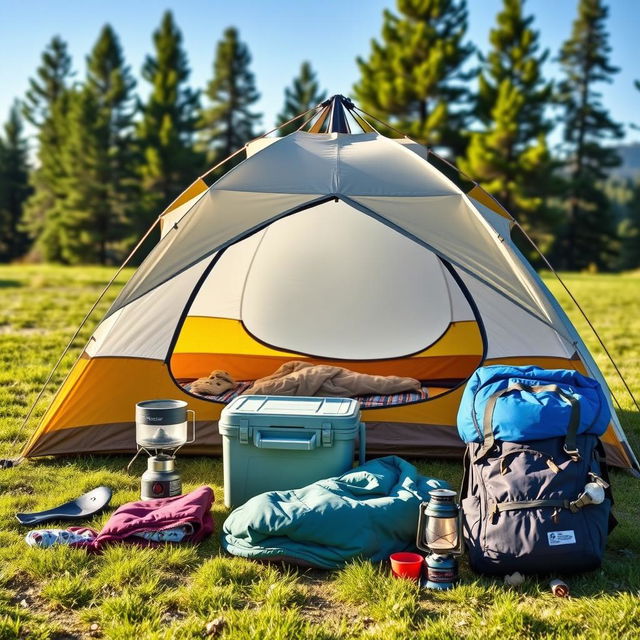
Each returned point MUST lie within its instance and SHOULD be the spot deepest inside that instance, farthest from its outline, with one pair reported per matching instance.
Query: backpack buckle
(552, 465)
(574, 454)
(598, 480)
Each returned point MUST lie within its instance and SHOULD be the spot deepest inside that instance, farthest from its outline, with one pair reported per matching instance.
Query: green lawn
(174, 592)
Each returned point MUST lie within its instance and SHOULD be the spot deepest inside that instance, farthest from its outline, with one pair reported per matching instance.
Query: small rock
(215, 627)
(514, 579)
(24, 604)
(94, 626)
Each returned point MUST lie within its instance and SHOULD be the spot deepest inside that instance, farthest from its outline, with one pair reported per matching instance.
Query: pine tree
(629, 232)
(303, 95)
(166, 131)
(114, 167)
(509, 156)
(72, 226)
(14, 186)
(50, 84)
(629, 227)
(413, 78)
(584, 59)
(45, 108)
(88, 219)
(228, 124)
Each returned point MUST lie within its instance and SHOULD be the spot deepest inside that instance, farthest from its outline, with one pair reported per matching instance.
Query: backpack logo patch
(556, 538)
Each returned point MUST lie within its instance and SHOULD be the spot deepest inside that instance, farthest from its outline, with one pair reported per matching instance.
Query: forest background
(91, 153)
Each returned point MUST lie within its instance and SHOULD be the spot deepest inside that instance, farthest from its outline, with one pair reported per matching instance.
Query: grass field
(175, 592)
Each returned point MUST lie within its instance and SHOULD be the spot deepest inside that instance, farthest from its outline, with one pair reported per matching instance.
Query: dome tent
(343, 248)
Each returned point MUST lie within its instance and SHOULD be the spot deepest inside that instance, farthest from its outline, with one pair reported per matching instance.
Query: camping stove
(161, 429)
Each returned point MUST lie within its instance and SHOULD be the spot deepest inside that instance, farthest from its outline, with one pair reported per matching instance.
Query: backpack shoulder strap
(570, 445)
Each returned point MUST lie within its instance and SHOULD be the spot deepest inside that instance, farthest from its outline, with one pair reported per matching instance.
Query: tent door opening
(330, 285)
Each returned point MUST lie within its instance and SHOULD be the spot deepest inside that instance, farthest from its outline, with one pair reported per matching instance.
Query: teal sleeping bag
(368, 512)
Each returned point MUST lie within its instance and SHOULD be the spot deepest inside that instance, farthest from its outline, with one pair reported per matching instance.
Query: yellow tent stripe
(362, 122)
(479, 194)
(320, 121)
(105, 394)
(61, 398)
(191, 192)
(223, 335)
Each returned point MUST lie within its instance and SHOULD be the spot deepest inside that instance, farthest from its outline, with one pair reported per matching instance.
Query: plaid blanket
(366, 402)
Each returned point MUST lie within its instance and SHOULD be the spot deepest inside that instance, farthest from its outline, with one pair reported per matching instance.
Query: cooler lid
(346, 408)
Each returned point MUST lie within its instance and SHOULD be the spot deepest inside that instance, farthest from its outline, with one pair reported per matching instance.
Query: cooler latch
(327, 434)
(243, 432)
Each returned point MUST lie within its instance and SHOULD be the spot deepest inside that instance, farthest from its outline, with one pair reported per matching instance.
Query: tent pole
(383, 123)
(339, 122)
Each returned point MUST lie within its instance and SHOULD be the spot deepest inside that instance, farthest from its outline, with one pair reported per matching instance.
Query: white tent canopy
(343, 247)
(384, 178)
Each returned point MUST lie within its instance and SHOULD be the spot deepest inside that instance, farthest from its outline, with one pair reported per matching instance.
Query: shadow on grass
(11, 284)
(620, 572)
(86, 462)
(612, 578)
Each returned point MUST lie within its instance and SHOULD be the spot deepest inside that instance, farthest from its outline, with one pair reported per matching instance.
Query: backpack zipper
(540, 454)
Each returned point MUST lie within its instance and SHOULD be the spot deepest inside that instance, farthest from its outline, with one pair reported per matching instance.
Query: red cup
(407, 565)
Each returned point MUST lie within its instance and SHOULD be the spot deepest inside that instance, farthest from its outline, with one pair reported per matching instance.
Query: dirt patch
(6, 329)
(319, 608)
(27, 597)
(20, 489)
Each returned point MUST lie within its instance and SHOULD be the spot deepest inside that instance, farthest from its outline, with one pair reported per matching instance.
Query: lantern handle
(421, 517)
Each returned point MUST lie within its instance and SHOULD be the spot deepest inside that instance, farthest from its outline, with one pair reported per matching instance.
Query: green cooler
(273, 443)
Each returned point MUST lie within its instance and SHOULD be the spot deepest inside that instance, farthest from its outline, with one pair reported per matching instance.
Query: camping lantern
(439, 533)
(161, 429)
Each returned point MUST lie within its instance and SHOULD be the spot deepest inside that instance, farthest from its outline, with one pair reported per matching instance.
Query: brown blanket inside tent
(298, 378)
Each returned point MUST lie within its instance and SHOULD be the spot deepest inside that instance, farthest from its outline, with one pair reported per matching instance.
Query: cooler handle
(273, 442)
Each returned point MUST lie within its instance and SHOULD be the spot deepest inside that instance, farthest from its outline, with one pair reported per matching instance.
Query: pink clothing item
(155, 515)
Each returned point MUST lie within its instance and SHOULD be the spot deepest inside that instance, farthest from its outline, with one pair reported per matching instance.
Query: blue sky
(280, 34)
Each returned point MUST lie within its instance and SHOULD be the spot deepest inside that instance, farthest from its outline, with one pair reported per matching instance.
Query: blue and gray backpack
(533, 467)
